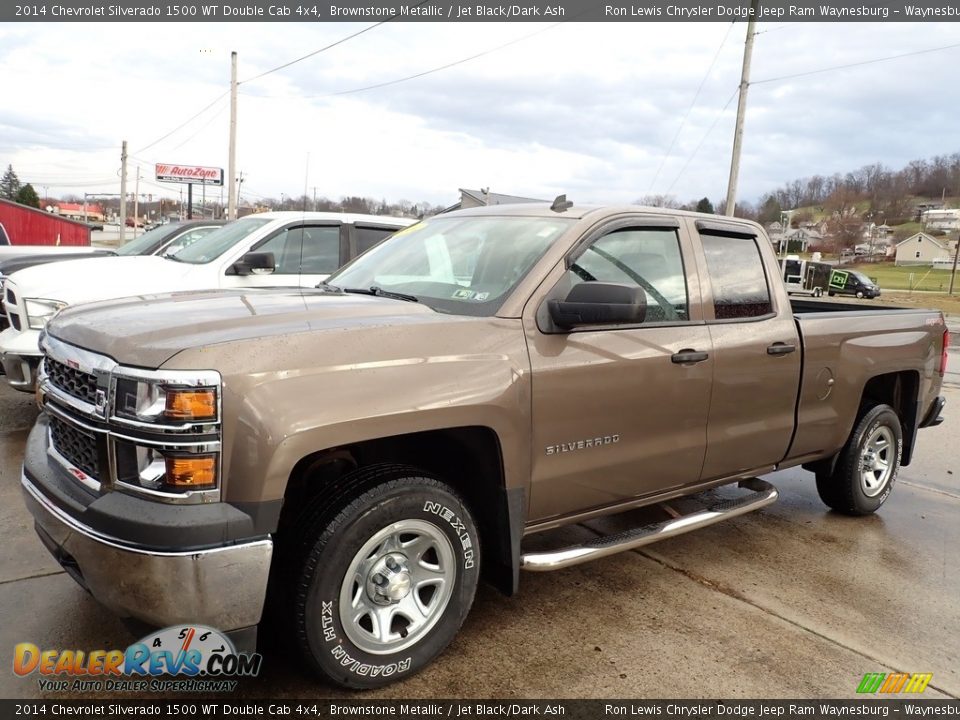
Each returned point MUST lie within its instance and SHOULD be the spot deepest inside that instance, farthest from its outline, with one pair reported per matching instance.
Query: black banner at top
(476, 11)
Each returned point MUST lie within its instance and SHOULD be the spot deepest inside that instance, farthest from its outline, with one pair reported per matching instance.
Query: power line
(693, 103)
(703, 139)
(323, 49)
(856, 64)
(184, 123)
(423, 73)
(201, 128)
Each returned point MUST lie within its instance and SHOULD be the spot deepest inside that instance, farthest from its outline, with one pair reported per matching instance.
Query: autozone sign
(190, 174)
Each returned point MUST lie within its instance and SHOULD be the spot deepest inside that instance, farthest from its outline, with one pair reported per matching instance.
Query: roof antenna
(561, 203)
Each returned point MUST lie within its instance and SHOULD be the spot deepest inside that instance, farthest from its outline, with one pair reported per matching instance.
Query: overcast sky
(586, 109)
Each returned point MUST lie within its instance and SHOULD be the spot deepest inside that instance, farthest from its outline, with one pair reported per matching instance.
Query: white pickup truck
(264, 250)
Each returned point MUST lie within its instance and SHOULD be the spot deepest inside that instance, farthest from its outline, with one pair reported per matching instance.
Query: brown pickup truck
(367, 450)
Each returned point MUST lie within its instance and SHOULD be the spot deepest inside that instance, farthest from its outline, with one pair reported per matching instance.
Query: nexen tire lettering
(458, 527)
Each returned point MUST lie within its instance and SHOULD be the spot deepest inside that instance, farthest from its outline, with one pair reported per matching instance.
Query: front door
(620, 411)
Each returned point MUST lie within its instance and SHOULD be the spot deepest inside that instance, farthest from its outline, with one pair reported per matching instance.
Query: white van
(264, 250)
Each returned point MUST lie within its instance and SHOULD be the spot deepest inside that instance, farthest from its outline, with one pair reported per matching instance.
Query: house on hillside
(921, 249)
(482, 198)
(941, 220)
(804, 236)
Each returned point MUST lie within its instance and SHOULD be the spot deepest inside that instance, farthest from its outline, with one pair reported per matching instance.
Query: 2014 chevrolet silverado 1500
(367, 449)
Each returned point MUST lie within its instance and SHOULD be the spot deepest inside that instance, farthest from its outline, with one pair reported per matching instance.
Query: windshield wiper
(379, 292)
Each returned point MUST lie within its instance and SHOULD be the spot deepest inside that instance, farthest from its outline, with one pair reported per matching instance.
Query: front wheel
(868, 464)
(386, 585)
(860, 294)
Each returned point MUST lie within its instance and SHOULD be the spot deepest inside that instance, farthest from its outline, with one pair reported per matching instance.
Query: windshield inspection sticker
(480, 297)
(463, 294)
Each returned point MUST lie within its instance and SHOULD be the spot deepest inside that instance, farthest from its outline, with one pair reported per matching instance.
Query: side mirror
(599, 303)
(255, 263)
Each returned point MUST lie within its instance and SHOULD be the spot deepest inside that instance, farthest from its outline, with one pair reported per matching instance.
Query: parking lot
(792, 601)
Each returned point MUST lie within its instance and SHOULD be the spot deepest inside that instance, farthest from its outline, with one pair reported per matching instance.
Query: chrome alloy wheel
(876, 461)
(397, 586)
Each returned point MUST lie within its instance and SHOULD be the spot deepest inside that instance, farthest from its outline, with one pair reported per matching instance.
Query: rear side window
(367, 237)
(737, 277)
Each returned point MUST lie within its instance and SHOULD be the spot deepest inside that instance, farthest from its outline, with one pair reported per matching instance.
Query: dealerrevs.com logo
(185, 658)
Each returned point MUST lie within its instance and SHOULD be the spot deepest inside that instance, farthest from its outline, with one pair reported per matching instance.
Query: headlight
(155, 402)
(166, 471)
(40, 311)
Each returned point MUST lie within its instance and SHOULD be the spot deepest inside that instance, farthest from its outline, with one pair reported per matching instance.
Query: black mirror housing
(255, 263)
(599, 303)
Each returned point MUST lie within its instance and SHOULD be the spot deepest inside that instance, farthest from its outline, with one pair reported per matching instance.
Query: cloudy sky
(586, 109)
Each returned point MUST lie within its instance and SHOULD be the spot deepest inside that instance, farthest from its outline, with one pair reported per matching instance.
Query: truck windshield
(463, 266)
(212, 246)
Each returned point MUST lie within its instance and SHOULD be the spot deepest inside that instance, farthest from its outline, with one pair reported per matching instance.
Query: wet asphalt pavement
(791, 601)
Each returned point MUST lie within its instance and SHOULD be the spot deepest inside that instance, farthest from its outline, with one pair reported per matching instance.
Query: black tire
(831, 293)
(350, 651)
(846, 490)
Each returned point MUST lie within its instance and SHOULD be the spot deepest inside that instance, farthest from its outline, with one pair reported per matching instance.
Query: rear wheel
(831, 293)
(868, 464)
(384, 587)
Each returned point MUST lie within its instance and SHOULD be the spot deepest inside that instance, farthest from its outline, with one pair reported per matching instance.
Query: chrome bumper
(21, 370)
(223, 587)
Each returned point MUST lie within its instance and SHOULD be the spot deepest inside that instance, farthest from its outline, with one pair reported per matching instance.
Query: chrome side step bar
(763, 494)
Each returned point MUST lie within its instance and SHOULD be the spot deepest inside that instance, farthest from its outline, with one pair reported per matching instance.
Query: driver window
(649, 259)
(285, 246)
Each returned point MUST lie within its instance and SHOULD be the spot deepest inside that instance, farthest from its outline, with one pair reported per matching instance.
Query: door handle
(779, 348)
(686, 356)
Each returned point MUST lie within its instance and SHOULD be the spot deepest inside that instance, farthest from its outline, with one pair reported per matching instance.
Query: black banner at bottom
(470, 709)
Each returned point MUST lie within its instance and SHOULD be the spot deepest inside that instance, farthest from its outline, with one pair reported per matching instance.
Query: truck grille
(14, 320)
(77, 446)
(10, 297)
(74, 382)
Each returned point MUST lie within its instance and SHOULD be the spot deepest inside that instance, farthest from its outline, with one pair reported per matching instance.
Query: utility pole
(741, 111)
(239, 185)
(953, 275)
(233, 191)
(136, 203)
(123, 191)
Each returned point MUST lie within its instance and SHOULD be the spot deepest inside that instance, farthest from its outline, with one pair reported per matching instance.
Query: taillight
(943, 354)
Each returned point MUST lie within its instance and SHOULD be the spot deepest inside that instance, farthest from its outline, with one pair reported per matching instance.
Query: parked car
(367, 449)
(176, 235)
(281, 248)
(852, 282)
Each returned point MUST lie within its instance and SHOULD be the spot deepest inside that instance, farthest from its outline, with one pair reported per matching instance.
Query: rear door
(756, 352)
(617, 414)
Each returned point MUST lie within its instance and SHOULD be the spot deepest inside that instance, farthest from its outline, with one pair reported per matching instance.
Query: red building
(29, 226)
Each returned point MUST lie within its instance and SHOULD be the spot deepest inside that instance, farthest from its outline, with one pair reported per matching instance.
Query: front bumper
(20, 355)
(221, 585)
(21, 370)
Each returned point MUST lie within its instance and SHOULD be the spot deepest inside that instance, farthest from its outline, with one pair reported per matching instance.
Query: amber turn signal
(191, 404)
(193, 472)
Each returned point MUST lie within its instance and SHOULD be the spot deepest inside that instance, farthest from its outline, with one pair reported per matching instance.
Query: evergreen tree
(9, 184)
(28, 196)
(705, 206)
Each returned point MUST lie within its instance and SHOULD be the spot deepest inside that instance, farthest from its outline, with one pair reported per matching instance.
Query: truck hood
(146, 332)
(88, 280)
